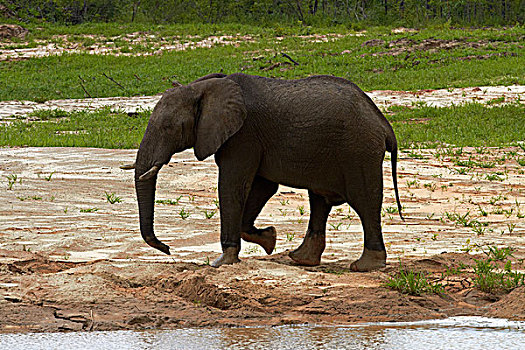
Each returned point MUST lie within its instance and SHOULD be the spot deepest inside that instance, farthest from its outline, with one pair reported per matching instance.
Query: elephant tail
(391, 146)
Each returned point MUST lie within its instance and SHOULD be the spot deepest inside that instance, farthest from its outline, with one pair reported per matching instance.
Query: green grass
(101, 129)
(466, 125)
(112, 198)
(413, 283)
(490, 279)
(459, 66)
(169, 201)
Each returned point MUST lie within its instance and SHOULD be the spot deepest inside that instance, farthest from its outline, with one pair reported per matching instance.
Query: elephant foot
(229, 256)
(310, 251)
(266, 238)
(369, 260)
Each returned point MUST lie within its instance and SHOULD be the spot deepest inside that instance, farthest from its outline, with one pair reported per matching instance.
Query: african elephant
(321, 133)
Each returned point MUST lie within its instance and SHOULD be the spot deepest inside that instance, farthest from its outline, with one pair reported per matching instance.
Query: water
(453, 333)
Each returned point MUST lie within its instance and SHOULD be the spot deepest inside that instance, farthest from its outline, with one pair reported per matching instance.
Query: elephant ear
(221, 113)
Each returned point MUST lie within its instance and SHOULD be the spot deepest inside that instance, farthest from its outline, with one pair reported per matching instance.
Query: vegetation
(465, 125)
(102, 129)
(306, 12)
(112, 198)
(492, 274)
(381, 59)
(471, 124)
(490, 279)
(413, 283)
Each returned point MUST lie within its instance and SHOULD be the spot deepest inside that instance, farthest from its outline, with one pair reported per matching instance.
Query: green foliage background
(307, 12)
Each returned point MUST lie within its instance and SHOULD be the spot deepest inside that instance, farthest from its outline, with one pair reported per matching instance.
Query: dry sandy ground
(70, 260)
(9, 110)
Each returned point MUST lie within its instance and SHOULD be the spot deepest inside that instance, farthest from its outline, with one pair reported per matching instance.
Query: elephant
(320, 133)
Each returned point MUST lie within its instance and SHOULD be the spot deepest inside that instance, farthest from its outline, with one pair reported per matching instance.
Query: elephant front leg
(233, 192)
(310, 251)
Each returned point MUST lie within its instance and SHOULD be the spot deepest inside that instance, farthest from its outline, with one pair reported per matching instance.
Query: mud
(70, 260)
(10, 110)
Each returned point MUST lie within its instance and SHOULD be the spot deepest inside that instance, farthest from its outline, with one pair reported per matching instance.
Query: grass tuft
(413, 283)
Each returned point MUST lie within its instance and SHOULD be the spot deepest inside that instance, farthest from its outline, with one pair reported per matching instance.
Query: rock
(373, 42)
(5, 12)
(138, 320)
(8, 31)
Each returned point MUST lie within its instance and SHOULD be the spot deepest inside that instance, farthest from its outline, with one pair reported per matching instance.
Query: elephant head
(202, 115)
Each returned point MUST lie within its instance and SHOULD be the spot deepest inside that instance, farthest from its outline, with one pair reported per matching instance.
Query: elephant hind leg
(310, 251)
(261, 191)
(367, 203)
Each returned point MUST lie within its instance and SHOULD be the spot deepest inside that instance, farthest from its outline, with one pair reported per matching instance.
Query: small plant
(496, 100)
(284, 201)
(336, 226)
(416, 155)
(482, 212)
(467, 248)
(191, 198)
(11, 180)
(184, 214)
(209, 214)
(35, 198)
(511, 227)
(413, 183)
(89, 210)
(486, 164)
(169, 201)
(283, 211)
(489, 280)
(454, 270)
(430, 186)
(478, 229)
(493, 177)
(462, 171)
(413, 283)
(301, 210)
(391, 210)
(112, 198)
(290, 236)
(497, 254)
(48, 178)
(496, 199)
(216, 202)
(466, 163)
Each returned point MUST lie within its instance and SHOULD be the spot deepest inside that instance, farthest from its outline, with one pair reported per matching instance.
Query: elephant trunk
(145, 189)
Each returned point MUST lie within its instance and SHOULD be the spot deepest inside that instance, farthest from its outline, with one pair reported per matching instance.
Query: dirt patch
(8, 31)
(134, 44)
(407, 45)
(72, 261)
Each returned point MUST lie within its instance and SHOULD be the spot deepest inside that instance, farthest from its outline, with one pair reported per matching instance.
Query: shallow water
(453, 333)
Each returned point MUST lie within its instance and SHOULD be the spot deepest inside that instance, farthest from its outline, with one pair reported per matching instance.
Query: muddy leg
(310, 251)
(368, 207)
(262, 190)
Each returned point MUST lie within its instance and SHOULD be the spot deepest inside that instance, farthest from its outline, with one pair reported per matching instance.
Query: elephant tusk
(127, 166)
(150, 173)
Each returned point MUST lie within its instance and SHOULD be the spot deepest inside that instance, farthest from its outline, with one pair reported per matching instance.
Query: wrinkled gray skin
(320, 133)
